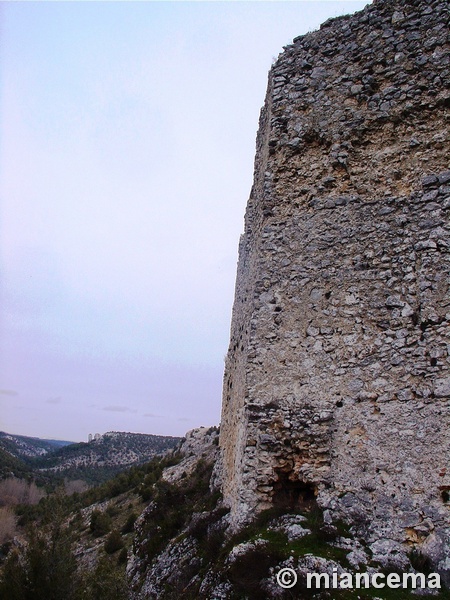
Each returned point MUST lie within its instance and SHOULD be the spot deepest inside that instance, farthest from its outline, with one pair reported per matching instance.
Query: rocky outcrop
(337, 379)
(184, 548)
(198, 444)
(166, 548)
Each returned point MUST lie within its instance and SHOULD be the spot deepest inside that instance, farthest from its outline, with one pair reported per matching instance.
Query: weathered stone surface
(336, 385)
(291, 525)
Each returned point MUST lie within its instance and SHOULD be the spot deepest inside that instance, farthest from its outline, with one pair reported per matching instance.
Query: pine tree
(43, 569)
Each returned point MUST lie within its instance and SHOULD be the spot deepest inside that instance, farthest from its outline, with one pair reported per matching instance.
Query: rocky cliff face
(337, 379)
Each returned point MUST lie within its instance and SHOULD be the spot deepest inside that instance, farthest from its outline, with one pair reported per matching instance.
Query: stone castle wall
(337, 379)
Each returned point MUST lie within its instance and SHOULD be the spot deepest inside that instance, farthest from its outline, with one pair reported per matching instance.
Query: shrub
(113, 542)
(129, 523)
(420, 562)
(107, 581)
(123, 557)
(146, 493)
(172, 506)
(100, 523)
(45, 569)
(248, 569)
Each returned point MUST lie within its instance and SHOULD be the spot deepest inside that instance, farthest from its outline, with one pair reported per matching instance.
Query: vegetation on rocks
(174, 544)
(46, 547)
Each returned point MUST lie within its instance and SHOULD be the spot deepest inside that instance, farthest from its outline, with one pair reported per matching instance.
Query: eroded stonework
(337, 379)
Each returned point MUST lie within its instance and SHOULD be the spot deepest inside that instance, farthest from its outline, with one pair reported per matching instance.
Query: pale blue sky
(126, 159)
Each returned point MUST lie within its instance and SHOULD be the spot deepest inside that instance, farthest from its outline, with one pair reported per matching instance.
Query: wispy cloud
(8, 393)
(153, 416)
(119, 409)
(183, 419)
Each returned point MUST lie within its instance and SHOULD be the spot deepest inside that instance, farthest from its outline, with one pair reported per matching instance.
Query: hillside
(159, 531)
(11, 465)
(25, 447)
(18, 451)
(93, 462)
(99, 459)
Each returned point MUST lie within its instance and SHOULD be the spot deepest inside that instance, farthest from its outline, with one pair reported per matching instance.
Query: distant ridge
(25, 446)
(92, 461)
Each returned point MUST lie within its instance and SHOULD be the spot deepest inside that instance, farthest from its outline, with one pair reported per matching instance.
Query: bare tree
(19, 491)
(7, 524)
(72, 486)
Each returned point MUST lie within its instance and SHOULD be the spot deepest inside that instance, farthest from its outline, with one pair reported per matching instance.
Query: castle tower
(337, 379)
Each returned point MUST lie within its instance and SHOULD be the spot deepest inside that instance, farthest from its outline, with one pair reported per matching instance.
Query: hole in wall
(289, 494)
(445, 495)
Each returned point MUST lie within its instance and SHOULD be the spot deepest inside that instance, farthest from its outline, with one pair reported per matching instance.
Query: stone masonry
(337, 379)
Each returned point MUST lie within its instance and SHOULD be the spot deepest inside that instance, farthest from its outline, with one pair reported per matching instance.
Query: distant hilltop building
(94, 437)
